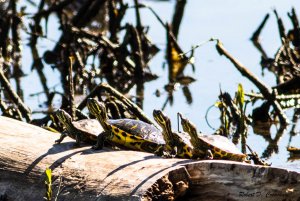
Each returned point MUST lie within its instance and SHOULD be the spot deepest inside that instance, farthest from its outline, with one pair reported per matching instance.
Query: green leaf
(240, 96)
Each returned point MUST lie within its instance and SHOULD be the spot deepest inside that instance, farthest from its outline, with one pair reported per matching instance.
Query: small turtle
(126, 133)
(85, 130)
(220, 146)
(175, 145)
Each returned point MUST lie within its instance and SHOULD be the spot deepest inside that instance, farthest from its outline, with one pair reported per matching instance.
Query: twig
(38, 65)
(36, 31)
(294, 19)
(115, 18)
(17, 56)
(177, 16)
(59, 188)
(255, 36)
(154, 13)
(197, 46)
(280, 27)
(14, 96)
(71, 88)
(133, 107)
(4, 108)
(136, 46)
(138, 17)
(278, 97)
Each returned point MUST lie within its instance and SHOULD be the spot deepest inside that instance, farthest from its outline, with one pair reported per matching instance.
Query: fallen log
(85, 174)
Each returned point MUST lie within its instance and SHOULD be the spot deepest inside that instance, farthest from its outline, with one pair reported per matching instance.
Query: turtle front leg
(174, 151)
(161, 151)
(167, 151)
(78, 140)
(61, 138)
(102, 137)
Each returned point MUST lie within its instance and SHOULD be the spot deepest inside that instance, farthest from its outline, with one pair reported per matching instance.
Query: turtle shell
(184, 137)
(89, 126)
(221, 142)
(138, 128)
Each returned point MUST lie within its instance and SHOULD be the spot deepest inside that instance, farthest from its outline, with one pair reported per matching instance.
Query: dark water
(231, 21)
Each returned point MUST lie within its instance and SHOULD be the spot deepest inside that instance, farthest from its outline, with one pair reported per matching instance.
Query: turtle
(175, 144)
(85, 130)
(126, 133)
(220, 146)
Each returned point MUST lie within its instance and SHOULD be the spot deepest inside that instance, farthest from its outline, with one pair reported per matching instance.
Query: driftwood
(84, 174)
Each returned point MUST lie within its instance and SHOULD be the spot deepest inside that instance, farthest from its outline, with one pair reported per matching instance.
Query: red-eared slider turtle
(85, 130)
(220, 146)
(126, 133)
(175, 144)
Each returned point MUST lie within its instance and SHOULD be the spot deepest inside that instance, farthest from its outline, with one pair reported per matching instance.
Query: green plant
(48, 183)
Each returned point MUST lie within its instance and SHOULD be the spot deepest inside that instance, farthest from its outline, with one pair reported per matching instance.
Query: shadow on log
(84, 174)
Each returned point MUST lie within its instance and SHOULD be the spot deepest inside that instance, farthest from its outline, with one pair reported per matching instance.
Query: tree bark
(84, 174)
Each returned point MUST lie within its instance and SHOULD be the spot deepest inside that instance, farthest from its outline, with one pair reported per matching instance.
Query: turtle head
(97, 109)
(161, 119)
(164, 122)
(188, 126)
(64, 117)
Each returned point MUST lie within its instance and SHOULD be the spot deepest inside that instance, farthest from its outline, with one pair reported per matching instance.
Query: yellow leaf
(218, 104)
(48, 172)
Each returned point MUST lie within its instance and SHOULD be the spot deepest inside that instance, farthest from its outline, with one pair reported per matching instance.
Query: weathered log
(85, 174)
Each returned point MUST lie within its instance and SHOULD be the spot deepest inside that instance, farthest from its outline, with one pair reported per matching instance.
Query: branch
(14, 96)
(112, 91)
